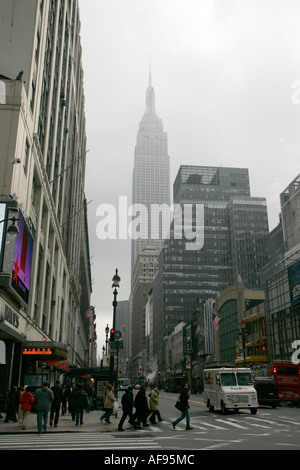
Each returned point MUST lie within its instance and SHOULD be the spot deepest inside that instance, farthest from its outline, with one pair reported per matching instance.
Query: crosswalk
(156, 436)
(240, 423)
(74, 441)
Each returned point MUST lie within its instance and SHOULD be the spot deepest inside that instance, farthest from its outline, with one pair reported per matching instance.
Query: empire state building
(151, 177)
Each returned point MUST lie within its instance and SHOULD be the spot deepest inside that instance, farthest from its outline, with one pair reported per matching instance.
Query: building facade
(151, 177)
(283, 285)
(42, 178)
(151, 193)
(234, 227)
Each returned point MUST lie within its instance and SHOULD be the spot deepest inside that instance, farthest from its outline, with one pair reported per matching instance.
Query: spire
(150, 97)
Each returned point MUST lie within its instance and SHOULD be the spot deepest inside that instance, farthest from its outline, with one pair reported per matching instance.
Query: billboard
(22, 260)
(2, 226)
(294, 282)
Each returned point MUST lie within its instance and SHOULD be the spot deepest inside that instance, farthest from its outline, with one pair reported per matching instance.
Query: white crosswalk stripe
(78, 441)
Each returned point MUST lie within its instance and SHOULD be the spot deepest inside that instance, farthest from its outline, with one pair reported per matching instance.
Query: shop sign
(9, 315)
(36, 351)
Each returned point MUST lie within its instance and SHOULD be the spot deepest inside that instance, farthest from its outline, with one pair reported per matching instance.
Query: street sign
(116, 345)
(117, 334)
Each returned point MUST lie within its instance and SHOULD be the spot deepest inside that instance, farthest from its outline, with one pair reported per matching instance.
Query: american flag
(90, 312)
(216, 320)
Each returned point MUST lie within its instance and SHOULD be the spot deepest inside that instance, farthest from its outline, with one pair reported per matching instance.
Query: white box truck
(229, 388)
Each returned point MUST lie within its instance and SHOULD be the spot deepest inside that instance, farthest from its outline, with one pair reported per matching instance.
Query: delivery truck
(229, 388)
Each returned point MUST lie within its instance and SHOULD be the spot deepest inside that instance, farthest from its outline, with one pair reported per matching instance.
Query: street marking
(232, 423)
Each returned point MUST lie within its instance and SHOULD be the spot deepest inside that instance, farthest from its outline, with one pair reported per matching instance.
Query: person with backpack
(55, 407)
(80, 402)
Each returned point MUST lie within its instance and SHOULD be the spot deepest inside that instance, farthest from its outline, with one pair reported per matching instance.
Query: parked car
(267, 391)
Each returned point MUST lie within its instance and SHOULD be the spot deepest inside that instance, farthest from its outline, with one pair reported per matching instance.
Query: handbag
(178, 405)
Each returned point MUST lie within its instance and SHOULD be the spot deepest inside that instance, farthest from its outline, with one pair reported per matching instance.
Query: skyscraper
(235, 227)
(151, 176)
(151, 189)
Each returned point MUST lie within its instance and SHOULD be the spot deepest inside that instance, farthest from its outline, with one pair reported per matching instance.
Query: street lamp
(106, 333)
(116, 284)
(13, 228)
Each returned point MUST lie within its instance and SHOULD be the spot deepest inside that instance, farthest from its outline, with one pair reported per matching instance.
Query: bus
(287, 378)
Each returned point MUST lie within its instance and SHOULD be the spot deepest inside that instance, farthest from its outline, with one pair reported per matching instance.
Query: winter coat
(127, 401)
(109, 400)
(43, 399)
(184, 399)
(153, 403)
(26, 400)
(80, 399)
(141, 403)
(57, 393)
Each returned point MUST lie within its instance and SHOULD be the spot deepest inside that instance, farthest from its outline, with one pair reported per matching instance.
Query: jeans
(185, 414)
(42, 420)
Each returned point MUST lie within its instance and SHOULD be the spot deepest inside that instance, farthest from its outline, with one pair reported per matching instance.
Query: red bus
(287, 377)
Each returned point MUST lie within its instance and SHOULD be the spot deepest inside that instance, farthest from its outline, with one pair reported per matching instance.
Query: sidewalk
(91, 423)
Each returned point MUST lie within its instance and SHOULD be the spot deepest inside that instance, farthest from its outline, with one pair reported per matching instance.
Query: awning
(45, 350)
(59, 365)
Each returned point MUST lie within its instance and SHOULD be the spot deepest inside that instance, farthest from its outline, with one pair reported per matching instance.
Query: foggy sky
(225, 76)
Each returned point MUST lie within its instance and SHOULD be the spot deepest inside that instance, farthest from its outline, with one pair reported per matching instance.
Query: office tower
(42, 178)
(151, 189)
(151, 176)
(234, 226)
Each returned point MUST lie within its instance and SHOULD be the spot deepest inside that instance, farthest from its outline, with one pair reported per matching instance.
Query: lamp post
(115, 286)
(106, 334)
(13, 228)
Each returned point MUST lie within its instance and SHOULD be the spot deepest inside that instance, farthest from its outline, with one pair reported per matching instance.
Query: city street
(269, 429)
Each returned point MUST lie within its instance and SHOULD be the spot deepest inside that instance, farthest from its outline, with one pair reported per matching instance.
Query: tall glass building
(234, 229)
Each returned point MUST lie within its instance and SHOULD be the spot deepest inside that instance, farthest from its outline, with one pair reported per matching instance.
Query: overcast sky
(226, 75)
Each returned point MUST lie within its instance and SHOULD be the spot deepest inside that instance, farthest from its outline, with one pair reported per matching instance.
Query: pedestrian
(108, 404)
(80, 401)
(90, 395)
(154, 405)
(184, 407)
(127, 405)
(26, 400)
(70, 401)
(43, 401)
(141, 407)
(19, 392)
(11, 406)
(55, 407)
(64, 400)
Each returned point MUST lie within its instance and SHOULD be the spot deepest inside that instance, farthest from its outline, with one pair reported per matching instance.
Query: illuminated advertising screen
(22, 260)
(2, 225)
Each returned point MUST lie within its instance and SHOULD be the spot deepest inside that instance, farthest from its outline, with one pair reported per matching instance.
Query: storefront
(43, 360)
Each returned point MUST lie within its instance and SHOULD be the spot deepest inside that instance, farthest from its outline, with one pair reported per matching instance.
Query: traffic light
(139, 372)
(112, 338)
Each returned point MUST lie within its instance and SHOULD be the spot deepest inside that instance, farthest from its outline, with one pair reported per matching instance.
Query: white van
(124, 384)
(229, 388)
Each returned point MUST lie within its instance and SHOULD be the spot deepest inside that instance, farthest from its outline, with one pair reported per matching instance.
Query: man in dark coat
(141, 407)
(127, 404)
(55, 407)
(80, 402)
